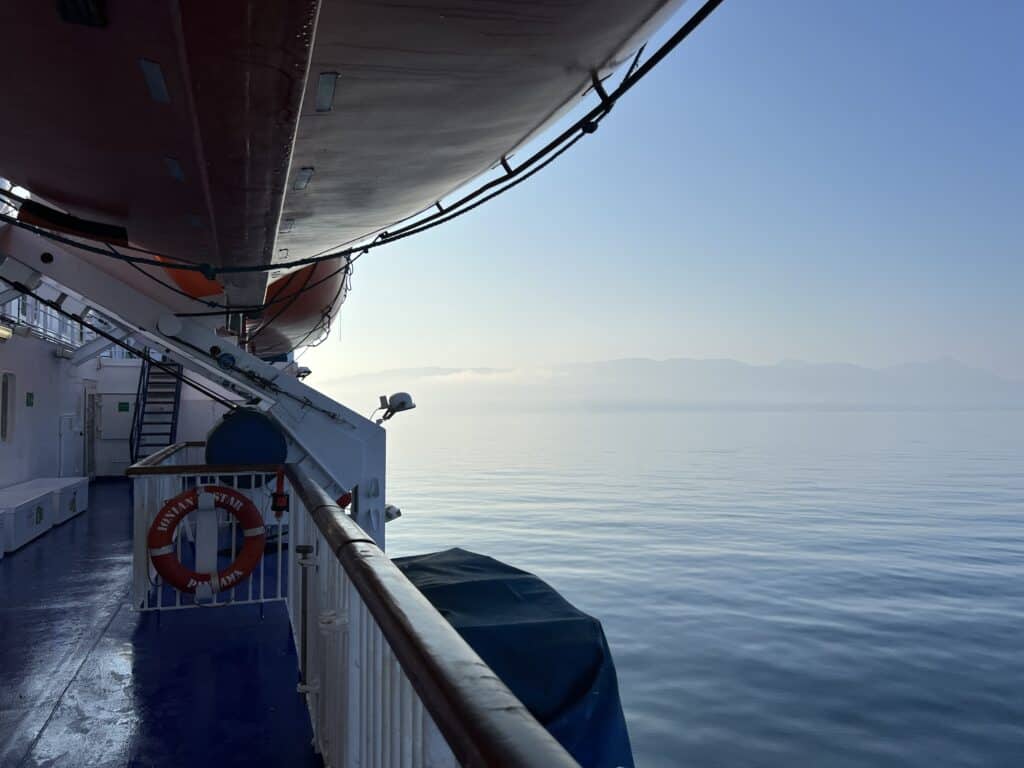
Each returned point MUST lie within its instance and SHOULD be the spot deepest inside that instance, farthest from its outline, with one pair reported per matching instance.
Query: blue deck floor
(85, 681)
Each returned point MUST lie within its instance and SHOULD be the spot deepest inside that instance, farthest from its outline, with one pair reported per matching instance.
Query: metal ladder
(157, 403)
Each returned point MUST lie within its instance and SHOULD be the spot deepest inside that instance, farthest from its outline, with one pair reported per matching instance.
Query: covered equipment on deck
(552, 656)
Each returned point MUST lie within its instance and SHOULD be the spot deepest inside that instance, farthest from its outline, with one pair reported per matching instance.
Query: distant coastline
(692, 384)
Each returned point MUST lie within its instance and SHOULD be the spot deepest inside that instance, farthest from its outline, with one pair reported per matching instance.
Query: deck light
(398, 402)
(303, 177)
(154, 77)
(174, 168)
(325, 91)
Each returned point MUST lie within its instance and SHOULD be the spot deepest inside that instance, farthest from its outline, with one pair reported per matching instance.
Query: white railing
(179, 468)
(364, 709)
(387, 680)
(46, 323)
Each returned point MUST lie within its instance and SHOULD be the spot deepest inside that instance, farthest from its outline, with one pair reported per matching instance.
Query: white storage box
(71, 498)
(25, 513)
(70, 494)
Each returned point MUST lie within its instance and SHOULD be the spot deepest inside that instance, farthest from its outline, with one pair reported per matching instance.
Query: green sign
(30, 399)
(122, 407)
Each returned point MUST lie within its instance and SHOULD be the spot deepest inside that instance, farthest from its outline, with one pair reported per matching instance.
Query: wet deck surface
(85, 681)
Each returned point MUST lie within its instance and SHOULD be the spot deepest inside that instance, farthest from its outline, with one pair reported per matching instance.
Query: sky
(821, 181)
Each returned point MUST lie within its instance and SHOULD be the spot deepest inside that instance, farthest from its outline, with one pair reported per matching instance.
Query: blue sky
(828, 181)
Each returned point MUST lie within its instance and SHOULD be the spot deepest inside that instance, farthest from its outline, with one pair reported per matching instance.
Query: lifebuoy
(161, 539)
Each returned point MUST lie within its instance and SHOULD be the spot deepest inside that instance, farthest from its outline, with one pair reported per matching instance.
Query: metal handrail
(157, 459)
(15, 312)
(140, 407)
(157, 464)
(481, 719)
(177, 406)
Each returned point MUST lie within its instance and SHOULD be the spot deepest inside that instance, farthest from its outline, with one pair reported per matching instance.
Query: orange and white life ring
(161, 539)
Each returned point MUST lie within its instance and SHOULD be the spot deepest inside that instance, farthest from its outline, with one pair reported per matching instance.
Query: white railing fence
(387, 680)
(46, 323)
(178, 470)
(364, 709)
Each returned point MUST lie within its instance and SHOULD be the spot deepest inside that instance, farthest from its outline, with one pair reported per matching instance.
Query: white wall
(113, 376)
(199, 413)
(71, 453)
(117, 381)
(197, 417)
(33, 446)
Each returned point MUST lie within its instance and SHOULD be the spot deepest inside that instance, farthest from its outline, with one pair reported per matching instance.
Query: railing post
(305, 561)
(140, 406)
(353, 686)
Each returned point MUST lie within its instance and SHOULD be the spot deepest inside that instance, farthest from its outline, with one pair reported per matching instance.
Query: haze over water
(795, 565)
(779, 585)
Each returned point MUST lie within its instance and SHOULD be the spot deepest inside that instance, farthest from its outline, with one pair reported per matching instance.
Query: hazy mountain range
(937, 383)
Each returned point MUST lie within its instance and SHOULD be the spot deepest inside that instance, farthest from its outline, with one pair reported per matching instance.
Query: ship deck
(87, 681)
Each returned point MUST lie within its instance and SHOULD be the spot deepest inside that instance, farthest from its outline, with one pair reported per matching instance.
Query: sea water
(779, 587)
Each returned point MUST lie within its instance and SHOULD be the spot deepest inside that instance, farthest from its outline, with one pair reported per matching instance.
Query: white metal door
(70, 445)
(89, 438)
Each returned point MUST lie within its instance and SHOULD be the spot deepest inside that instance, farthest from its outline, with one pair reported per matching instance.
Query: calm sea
(779, 588)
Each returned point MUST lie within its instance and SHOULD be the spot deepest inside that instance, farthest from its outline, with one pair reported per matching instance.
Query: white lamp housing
(398, 402)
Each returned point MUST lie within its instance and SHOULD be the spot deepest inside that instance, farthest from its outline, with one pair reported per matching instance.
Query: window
(6, 406)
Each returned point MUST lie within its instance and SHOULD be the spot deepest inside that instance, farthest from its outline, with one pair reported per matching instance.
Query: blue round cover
(246, 436)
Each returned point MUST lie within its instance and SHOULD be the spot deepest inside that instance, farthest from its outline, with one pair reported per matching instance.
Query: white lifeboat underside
(189, 123)
(430, 95)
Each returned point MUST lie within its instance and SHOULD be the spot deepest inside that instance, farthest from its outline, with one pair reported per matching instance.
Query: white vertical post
(141, 494)
(206, 541)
